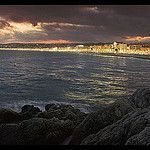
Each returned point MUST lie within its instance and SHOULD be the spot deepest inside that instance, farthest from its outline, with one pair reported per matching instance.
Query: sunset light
(23, 27)
(56, 41)
(138, 38)
(75, 74)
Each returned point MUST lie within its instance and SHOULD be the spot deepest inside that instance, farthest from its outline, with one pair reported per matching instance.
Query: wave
(17, 105)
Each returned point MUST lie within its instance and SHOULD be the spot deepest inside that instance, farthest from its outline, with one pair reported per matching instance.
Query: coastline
(121, 55)
(128, 55)
(82, 52)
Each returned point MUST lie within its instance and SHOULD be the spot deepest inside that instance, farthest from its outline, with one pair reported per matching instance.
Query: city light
(112, 48)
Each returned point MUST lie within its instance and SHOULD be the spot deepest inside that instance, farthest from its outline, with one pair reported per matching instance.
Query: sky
(74, 23)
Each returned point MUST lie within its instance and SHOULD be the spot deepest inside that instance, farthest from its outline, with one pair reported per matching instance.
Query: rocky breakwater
(33, 127)
(125, 122)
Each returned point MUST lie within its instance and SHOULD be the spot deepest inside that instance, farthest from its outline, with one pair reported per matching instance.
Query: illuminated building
(122, 47)
(144, 48)
(115, 43)
(135, 47)
(97, 48)
(108, 46)
(55, 48)
(116, 47)
(80, 46)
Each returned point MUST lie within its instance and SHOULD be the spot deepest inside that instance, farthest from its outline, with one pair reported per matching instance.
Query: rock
(30, 109)
(9, 116)
(80, 116)
(27, 108)
(141, 98)
(11, 134)
(119, 132)
(50, 114)
(65, 108)
(51, 107)
(99, 120)
(42, 131)
(35, 131)
(68, 127)
(73, 114)
(63, 112)
(39, 127)
(124, 122)
(70, 115)
(143, 138)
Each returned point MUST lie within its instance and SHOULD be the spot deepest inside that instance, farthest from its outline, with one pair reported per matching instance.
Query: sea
(86, 81)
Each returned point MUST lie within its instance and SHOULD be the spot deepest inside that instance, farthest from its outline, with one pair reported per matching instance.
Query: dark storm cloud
(131, 10)
(37, 13)
(26, 37)
(80, 22)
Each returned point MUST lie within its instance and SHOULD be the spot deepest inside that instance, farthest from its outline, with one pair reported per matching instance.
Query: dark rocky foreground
(124, 122)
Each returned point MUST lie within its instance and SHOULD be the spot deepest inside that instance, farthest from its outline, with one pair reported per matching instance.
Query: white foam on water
(17, 105)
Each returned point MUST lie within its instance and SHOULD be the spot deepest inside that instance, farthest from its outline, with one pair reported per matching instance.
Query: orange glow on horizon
(46, 42)
(137, 38)
(56, 41)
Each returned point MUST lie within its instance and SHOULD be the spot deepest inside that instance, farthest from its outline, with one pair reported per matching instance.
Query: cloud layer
(74, 23)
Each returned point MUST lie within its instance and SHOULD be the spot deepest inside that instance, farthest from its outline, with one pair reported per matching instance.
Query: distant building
(55, 48)
(100, 47)
(116, 47)
(115, 43)
(145, 48)
(135, 47)
(108, 46)
(122, 47)
(97, 47)
(80, 46)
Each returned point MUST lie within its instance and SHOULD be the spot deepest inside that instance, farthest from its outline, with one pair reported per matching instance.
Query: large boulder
(11, 134)
(50, 114)
(65, 108)
(62, 112)
(99, 120)
(31, 109)
(51, 107)
(9, 116)
(141, 98)
(42, 131)
(74, 115)
(31, 126)
(35, 131)
(130, 129)
(142, 138)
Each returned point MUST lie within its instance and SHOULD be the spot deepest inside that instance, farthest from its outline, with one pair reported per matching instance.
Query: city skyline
(74, 23)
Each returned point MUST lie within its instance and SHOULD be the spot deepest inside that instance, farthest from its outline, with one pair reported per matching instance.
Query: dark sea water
(83, 80)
